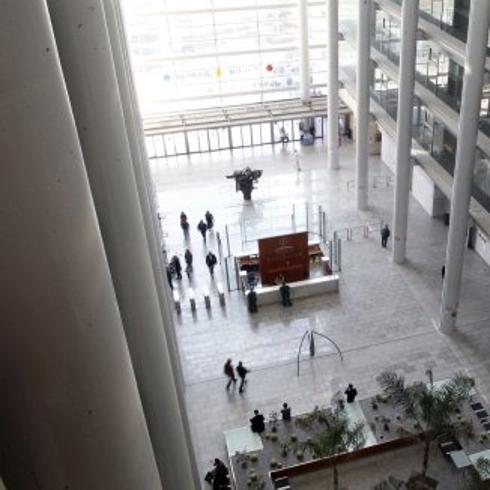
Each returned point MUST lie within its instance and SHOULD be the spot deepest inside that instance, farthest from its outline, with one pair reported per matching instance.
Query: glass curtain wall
(432, 134)
(191, 54)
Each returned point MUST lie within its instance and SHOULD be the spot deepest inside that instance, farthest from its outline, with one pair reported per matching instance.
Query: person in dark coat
(220, 475)
(443, 272)
(242, 372)
(257, 422)
(229, 371)
(211, 261)
(202, 227)
(286, 412)
(177, 267)
(252, 301)
(209, 219)
(169, 277)
(184, 224)
(188, 257)
(350, 393)
(285, 294)
(385, 234)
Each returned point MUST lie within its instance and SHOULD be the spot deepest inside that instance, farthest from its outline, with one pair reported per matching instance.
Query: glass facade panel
(191, 54)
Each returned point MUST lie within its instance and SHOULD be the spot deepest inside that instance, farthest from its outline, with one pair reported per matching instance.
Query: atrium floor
(384, 316)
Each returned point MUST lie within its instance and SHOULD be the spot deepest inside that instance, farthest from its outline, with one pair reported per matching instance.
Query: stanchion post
(227, 274)
(324, 220)
(227, 240)
(320, 228)
(339, 255)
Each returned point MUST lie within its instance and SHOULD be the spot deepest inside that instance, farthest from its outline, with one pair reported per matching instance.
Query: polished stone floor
(384, 316)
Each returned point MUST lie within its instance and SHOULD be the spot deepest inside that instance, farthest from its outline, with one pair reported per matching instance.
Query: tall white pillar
(147, 194)
(86, 56)
(406, 80)
(304, 55)
(465, 159)
(362, 99)
(71, 416)
(333, 84)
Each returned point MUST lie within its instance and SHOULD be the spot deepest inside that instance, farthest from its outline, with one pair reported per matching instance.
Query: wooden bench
(192, 298)
(221, 293)
(207, 299)
(176, 296)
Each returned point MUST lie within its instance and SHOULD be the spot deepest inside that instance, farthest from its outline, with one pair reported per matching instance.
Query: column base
(399, 250)
(447, 323)
(362, 199)
(333, 160)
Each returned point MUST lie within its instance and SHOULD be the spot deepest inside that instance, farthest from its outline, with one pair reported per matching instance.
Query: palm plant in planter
(428, 406)
(336, 436)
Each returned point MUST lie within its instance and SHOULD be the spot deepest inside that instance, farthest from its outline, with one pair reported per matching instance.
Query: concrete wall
(388, 150)
(423, 188)
(428, 194)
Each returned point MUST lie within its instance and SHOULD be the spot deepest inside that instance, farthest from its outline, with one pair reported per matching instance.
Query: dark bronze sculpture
(244, 181)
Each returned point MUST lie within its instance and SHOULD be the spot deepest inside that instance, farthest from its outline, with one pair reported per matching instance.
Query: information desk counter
(300, 289)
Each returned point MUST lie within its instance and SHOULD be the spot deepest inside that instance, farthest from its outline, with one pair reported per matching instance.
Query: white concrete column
(71, 416)
(147, 194)
(86, 55)
(362, 100)
(333, 84)
(304, 55)
(406, 80)
(465, 159)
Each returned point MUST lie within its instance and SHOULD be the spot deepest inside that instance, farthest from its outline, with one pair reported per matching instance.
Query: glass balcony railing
(432, 135)
(450, 16)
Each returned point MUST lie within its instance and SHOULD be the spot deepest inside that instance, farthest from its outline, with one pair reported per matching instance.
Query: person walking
(229, 371)
(177, 267)
(202, 227)
(211, 261)
(242, 372)
(169, 277)
(443, 271)
(184, 224)
(252, 301)
(188, 260)
(297, 160)
(283, 136)
(385, 234)
(209, 219)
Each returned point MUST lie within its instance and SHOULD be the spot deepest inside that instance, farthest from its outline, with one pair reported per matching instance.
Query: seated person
(257, 422)
(220, 475)
(286, 412)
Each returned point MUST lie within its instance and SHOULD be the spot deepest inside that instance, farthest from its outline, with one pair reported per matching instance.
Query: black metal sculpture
(244, 181)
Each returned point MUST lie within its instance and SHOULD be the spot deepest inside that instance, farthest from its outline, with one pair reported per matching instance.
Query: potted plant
(336, 436)
(430, 407)
(285, 450)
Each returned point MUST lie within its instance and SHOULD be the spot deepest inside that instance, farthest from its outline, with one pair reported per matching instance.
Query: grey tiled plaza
(383, 317)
